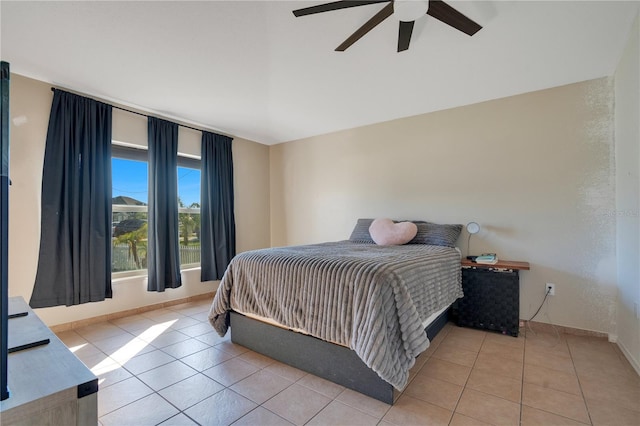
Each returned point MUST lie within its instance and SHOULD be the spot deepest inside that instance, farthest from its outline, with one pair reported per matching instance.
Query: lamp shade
(473, 228)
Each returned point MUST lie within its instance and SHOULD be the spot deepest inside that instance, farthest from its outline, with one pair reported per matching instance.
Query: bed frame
(335, 363)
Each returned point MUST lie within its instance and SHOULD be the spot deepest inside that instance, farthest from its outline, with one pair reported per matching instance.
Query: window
(130, 187)
(189, 213)
(129, 231)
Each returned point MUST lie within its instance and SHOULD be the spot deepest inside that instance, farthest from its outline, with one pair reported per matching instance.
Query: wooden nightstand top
(502, 264)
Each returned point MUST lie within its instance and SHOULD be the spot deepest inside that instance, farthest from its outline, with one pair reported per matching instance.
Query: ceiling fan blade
(384, 13)
(447, 14)
(404, 35)
(336, 5)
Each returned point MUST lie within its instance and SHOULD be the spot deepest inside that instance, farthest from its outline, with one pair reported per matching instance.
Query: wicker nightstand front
(491, 297)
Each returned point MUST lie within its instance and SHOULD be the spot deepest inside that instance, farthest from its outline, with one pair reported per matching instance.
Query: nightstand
(491, 296)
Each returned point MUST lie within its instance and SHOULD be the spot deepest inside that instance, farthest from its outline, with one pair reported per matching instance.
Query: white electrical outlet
(550, 289)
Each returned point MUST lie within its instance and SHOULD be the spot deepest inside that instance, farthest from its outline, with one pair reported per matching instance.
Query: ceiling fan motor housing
(410, 10)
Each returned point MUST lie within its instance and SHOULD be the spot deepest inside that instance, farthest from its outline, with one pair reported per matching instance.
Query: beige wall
(30, 105)
(627, 125)
(535, 170)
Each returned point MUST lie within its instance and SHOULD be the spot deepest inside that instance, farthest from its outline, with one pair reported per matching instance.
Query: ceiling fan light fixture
(410, 10)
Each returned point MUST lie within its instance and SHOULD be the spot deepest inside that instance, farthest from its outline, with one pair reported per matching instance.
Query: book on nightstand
(487, 259)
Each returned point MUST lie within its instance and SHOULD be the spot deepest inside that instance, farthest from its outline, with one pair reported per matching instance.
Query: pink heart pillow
(387, 233)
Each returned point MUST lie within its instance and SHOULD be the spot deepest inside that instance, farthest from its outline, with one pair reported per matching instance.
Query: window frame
(189, 163)
(127, 152)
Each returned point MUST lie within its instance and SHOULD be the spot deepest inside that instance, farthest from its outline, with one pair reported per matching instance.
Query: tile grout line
(524, 355)
(584, 398)
(467, 380)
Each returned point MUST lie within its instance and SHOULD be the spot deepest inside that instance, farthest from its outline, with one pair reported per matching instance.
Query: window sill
(119, 277)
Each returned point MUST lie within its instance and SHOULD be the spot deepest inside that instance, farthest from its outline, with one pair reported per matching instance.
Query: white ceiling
(252, 70)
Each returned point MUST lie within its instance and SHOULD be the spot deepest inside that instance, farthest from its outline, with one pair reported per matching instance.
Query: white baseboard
(634, 362)
(613, 338)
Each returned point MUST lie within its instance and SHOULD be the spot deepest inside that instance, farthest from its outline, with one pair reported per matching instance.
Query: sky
(129, 178)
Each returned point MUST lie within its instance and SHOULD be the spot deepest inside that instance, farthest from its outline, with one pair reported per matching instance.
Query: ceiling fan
(407, 11)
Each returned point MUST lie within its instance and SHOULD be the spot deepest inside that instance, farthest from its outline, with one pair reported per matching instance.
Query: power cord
(543, 300)
(557, 334)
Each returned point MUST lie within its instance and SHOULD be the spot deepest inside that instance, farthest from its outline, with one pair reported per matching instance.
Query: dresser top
(41, 371)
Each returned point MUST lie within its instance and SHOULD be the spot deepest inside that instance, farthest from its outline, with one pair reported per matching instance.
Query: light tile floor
(169, 367)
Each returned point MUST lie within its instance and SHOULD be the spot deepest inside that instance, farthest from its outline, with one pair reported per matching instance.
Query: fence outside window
(122, 260)
(129, 237)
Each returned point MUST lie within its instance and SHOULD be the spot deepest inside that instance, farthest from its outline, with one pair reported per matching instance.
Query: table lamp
(472, 228)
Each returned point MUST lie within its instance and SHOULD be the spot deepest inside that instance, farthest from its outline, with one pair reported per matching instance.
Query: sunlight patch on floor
(130, 349)
(77, 347)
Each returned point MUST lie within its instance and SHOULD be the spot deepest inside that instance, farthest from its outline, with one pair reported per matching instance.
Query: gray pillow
(428, 233)
(360, 233)
(435, 234)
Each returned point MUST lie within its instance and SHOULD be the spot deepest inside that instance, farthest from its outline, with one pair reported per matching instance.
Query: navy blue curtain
(163, 252)
(218, 225)
(74, 265)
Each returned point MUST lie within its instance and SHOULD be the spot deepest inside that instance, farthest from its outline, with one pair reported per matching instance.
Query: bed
(350, 311)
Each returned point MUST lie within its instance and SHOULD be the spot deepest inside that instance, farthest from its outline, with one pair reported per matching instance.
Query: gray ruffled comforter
(370, 298)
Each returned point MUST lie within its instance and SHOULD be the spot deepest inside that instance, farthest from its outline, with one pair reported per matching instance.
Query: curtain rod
(53, 89)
